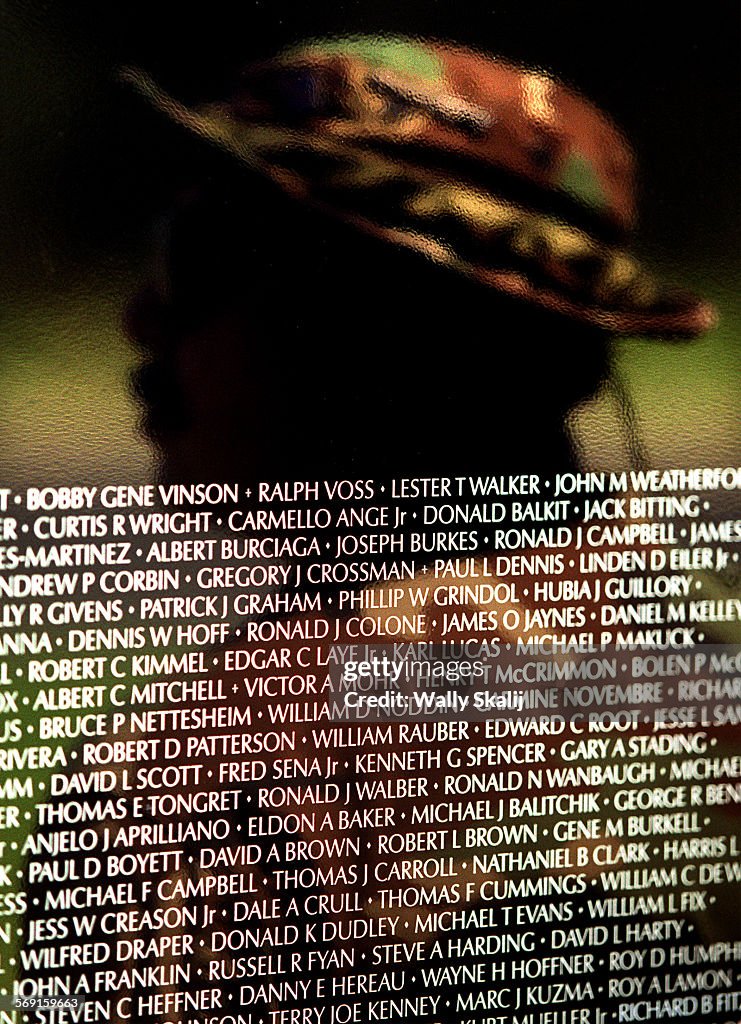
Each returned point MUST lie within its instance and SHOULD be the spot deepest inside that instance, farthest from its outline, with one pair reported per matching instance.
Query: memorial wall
(369, 516)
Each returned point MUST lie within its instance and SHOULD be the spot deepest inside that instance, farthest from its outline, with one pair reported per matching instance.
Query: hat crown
(454, 101)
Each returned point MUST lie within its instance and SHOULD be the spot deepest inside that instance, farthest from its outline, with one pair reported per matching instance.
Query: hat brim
(266, 150)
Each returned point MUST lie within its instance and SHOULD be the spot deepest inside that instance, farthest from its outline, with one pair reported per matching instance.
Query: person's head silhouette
(412, 265)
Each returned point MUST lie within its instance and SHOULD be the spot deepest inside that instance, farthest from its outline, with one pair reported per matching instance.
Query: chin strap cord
(629, 419)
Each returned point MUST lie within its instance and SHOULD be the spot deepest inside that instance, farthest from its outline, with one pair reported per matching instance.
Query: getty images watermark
(595, 686)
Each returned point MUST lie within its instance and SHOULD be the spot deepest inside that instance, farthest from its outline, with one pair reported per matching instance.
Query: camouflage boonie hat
(499, 172)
